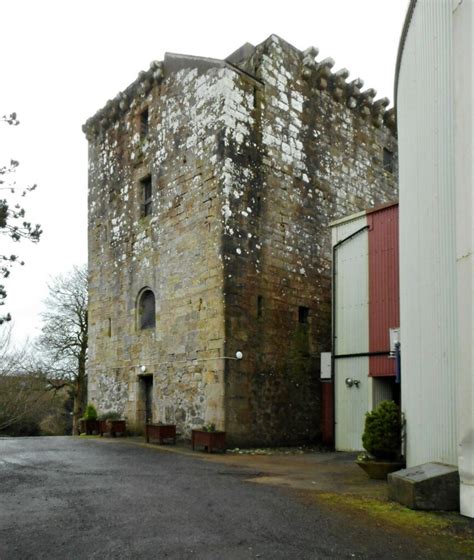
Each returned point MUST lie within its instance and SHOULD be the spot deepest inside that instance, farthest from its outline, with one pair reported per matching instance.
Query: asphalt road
(73, 498)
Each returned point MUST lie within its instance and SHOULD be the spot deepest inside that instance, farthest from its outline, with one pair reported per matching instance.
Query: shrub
(382, 435)
(90, 413)
(209, 427)
(110, 416)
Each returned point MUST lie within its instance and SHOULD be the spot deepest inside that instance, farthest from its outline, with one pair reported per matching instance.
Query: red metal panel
(384, 306)
(327, 423)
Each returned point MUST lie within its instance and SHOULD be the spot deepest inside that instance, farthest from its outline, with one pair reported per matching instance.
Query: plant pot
(88, 427)
(209, 440)
(161, 432)
(380, 469)
(113, 427)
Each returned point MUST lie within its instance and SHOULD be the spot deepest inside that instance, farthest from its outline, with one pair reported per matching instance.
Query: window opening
(146, 310)
(146, 196)
(144, 123)
(259, 306)
(303, 315)
(388, 160)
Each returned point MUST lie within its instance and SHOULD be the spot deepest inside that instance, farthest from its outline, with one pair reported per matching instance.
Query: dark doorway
(146, 393)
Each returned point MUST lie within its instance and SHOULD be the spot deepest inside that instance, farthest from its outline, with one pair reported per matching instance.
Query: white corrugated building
(435, 104)
(365, 309)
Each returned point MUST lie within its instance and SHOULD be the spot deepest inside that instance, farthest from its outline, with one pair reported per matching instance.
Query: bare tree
(64, 337)
(24, 394)
(13, 224)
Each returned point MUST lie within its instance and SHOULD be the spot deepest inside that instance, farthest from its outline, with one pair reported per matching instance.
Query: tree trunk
(80, 396)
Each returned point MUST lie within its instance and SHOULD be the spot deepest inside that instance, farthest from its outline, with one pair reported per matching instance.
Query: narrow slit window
(303, 315)
(147, 194)
(146, 310)
(255, 97)
(144, 123)
(388, 160)
(109, 328)
(259, 307)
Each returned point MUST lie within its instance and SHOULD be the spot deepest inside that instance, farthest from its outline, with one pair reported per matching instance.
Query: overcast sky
(61, 61)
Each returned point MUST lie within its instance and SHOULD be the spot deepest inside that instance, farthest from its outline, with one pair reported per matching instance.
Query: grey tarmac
(76, 498)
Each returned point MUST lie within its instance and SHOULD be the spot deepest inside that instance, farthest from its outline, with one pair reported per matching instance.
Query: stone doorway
(146, 399)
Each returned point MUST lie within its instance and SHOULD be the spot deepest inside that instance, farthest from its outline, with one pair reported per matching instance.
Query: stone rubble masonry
(250, 159)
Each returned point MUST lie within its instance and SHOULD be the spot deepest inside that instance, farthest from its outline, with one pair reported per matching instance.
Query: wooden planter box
(89, 427)
(113, 427)
(379, 470)
(209, 440)
(160, 432)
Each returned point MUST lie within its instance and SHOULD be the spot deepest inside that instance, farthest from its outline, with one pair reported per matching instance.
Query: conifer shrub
(90, 413)
(382, 435)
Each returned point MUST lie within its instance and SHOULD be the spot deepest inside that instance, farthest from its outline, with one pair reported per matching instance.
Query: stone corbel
(339, 83)
(323, 72)
(353, 91)
(378, 110)
(366, 99)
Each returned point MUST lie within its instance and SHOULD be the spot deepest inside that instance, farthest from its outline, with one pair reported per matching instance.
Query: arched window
(146, 309)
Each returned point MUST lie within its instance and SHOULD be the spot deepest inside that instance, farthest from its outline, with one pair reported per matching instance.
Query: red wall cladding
(384, 307)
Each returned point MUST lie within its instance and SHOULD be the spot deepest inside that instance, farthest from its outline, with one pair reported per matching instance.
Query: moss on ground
(443, 530)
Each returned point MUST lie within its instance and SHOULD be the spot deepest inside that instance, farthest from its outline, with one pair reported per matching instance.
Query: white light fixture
(239, 355)
(350, 382)
(143, 369)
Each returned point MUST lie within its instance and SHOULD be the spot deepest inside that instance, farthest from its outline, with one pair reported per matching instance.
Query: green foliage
(209, 427)
(382, 435)
(90, 413)
(110, 416)
(13, 224)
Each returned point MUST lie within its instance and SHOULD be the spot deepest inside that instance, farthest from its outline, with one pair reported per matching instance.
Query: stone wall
(250, 160)
(313, 156)
(176, 252)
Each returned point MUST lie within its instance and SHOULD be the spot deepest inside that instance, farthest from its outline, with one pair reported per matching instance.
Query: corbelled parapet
(120, 104)
(350, 93)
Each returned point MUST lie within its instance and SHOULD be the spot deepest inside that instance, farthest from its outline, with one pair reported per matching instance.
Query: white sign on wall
(326, 365)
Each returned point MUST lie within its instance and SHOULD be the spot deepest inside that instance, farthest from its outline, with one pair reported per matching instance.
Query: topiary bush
(382, 435)
(90, 413)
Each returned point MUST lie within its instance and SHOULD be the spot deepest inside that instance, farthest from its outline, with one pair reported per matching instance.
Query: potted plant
(89, 424)
(382, 439)
(209, 438)
(112, 423)
(161, 432)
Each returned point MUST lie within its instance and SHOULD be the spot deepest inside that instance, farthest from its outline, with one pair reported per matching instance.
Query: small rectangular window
(144, 123)
(109, 332)
(259, 306)
(303, 315)
(388, 160)
(146, 196)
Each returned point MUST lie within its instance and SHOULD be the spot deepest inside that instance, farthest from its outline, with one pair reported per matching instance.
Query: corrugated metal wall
(463, 31)
(427, 235)
(351, 292)
(384, 310)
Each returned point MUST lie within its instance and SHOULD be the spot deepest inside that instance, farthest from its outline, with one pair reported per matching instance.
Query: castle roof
(319, 73)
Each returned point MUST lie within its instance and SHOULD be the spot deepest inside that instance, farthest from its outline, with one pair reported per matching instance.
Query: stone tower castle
(211, 185)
